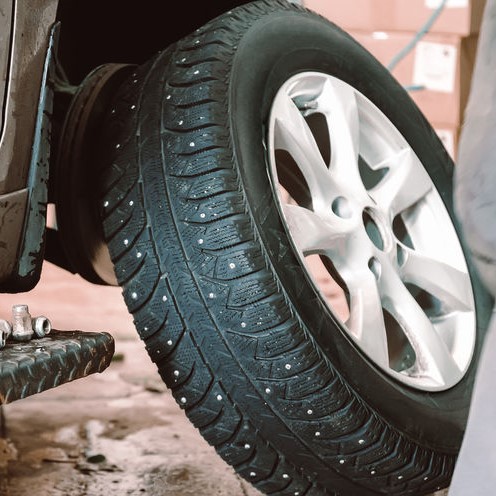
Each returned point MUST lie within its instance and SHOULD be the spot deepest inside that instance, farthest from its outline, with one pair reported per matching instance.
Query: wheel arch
(125, 31)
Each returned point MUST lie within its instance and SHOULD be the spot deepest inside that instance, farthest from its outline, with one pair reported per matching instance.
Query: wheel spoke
(448, 284)
(404, 185)
(433, 357)
(310, 232)
(366, 321)
(291, 133)
(338, 103)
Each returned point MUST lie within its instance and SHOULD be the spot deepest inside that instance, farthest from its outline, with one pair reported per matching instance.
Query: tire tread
(235, 304)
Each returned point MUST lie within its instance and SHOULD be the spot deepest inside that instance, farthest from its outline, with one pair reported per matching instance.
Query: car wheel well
(121, 31)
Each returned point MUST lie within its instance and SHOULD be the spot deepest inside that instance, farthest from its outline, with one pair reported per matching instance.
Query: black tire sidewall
(275, 48)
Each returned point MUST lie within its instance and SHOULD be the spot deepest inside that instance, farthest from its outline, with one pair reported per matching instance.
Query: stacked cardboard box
(438, 70)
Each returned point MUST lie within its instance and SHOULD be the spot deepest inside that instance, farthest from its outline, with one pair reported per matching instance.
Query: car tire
(211, 215)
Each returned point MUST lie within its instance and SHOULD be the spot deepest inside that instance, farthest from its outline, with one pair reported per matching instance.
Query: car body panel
(29, 25)
(6, 16)
(33, 21)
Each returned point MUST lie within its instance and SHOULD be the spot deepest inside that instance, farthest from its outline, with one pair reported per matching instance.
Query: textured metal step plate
(41, 364)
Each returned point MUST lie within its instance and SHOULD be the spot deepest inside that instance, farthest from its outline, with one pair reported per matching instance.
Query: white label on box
(448, 138)
(453, 4)
(435, 66)
(380, 35)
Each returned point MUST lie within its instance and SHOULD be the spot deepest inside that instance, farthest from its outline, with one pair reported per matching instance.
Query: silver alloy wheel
(372, 231)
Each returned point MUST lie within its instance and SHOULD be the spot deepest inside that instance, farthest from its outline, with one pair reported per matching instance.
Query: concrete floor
(119, 432)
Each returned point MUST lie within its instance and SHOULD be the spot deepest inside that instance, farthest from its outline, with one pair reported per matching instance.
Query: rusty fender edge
(31, 202)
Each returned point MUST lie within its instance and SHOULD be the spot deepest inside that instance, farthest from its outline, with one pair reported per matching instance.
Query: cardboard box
(437, 72)
(460, 17)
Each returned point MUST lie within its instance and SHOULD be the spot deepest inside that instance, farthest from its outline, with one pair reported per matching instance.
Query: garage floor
(119, 432)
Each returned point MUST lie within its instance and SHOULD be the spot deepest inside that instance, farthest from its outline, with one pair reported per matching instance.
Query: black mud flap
(41, 364)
